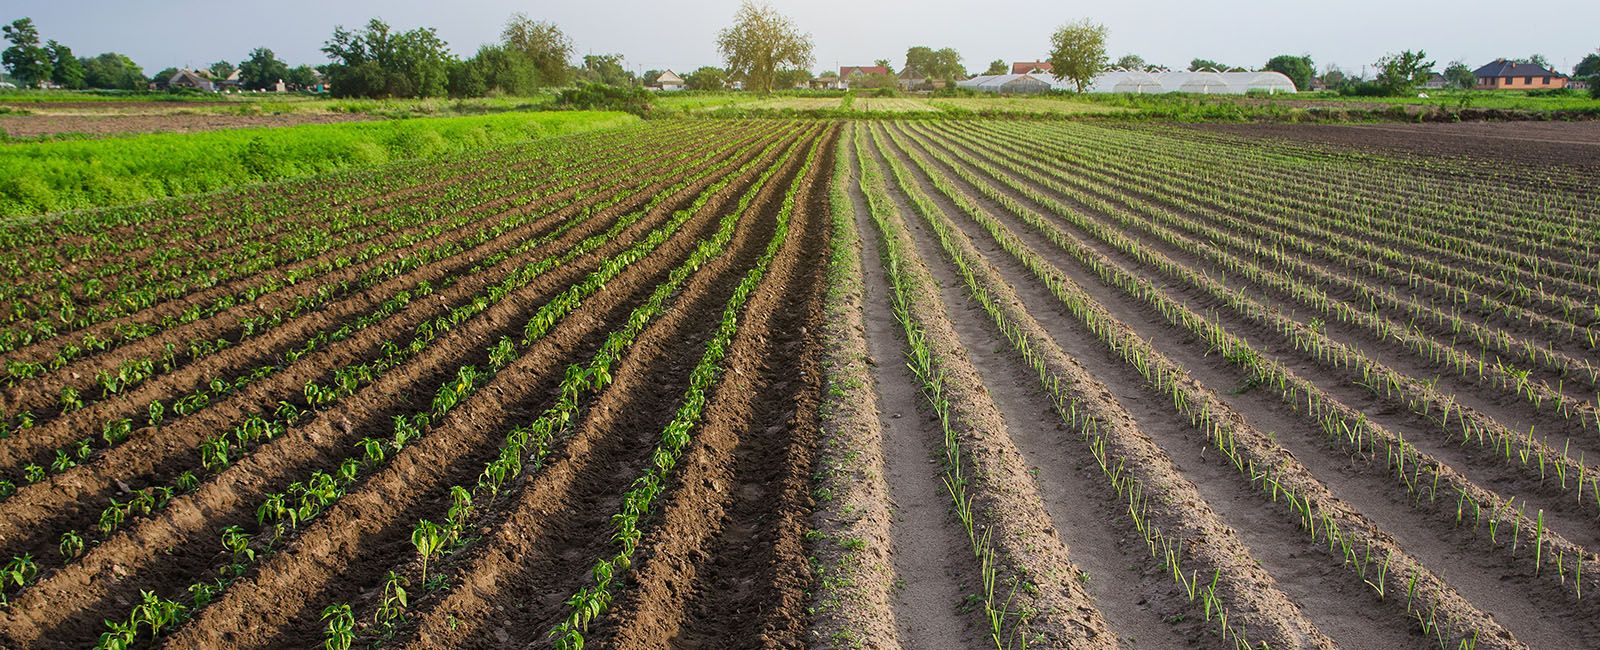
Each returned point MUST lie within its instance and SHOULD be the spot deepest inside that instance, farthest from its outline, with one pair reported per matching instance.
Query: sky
(653, 34)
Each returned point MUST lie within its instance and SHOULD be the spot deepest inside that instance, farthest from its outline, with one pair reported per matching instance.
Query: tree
(65, 69)
(884, 63)
(496, 69)
(706, 78)
(928, 63)
(1400, 74)
(375, 62)
(262, 70)
(161, 78)
(997, 66)
(605, 69)
(113, 71)
(301, 77)
(1078, 52)
(760, 42)
(791, 78)
(1333, 77)
(26, 60)
(1299, 69)
(1538, 60)
(221, 70)
(1131, 62)
(544, 45)
(1458, 75)
(1588, 67)
(1201, 64)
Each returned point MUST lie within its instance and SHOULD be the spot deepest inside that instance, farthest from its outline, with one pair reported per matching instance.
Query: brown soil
(553, 529)
(1511, 609)
(28, 126)
(367, 532)
(1571, 144)
(320, 440)
(727, 561)
(156, 456)
(268, 346)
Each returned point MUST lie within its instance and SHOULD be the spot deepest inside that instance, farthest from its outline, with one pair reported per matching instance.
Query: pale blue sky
(656, 34)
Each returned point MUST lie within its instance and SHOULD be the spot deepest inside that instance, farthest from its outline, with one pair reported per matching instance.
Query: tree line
(762, 49)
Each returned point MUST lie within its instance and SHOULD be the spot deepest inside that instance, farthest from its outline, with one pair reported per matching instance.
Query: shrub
(601, 97)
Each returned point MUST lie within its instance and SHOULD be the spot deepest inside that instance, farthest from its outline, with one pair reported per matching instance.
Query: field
(923, 383)
(37, 177)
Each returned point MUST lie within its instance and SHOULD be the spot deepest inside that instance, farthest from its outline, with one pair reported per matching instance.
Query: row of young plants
(1411, 469)
(1523, 451)
(372, 215)
(1127, 463)
(1540, 217)
(1574, 325)
(220, 451)
(527, 447)
(1498, 374)
(116, 428)
(589, 602)
(183, 234)
(285, 512)
(1521, 193)
(1370, 202)
(1307, 233)
(435, 216)
(1352, 540)
(1435, 321)
(1005, 599)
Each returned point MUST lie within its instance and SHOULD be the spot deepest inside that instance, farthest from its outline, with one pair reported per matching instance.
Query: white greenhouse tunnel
(1207, 82)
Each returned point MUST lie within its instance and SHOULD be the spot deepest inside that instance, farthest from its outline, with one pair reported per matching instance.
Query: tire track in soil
(724, 560)
(932, 563)
(555, 523)
(1324, 592)
(229, 497)
(1454, 554)
(368, 531)
(64, 501)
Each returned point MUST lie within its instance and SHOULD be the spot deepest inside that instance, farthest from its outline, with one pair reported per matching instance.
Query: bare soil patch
(32, 126)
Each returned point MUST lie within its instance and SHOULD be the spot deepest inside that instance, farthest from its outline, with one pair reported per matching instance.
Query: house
(1510, 75)
(190, 79)
(1435, 81)
(1030, 67)
(856, 73)
(233, 82)
(909, 79)
(668, 81)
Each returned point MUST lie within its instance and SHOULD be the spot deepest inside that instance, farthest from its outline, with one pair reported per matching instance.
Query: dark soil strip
(724, 563)
(545, 535)
(231, 496)
(63, 501)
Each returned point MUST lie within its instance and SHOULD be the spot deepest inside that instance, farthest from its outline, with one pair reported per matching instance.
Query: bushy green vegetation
(50, 176)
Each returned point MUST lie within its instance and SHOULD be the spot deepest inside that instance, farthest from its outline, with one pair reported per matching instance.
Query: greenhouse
(1205, 82)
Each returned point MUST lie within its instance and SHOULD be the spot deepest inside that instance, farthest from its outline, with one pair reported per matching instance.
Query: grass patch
(39, 177)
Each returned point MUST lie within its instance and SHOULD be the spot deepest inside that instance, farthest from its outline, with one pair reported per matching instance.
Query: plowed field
(744, 383)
